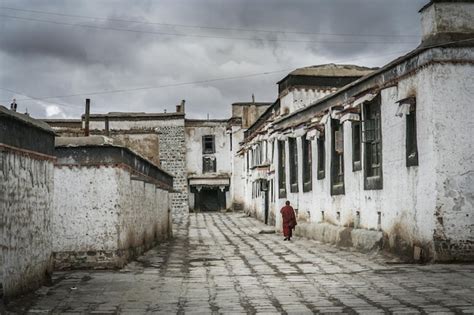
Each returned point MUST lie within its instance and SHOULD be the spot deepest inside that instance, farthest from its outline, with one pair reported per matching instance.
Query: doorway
(266, 205)
(210, 199)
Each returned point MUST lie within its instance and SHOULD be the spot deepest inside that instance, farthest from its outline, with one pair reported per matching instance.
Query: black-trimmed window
(372, 138)
(247, 155)
(307, 164)
(272, 154)
(321, 157)
(337, 158)
(356, 146)
(208, 144)
(281, 170)
(293, 155)
(208, 164)
(411, 142)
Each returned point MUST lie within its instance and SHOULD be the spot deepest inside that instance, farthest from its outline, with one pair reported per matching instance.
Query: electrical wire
(203, 26)
(126, 90)
(116, 29)
(32, 98)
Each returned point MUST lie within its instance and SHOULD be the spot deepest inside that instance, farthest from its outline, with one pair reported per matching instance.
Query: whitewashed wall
(162, 141)
(237, 182)
(26, 195)
(429, 205)
(298, 98)
(222, 153)
(108, 219)
(144, 216)
(453, 115)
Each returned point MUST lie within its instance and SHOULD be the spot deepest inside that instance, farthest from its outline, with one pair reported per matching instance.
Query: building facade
(208, 165)
(383, 161)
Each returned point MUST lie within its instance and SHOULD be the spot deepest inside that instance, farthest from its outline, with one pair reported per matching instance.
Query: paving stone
(218, 263)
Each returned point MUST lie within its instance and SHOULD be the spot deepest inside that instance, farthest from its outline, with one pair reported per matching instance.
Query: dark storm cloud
(42, 59)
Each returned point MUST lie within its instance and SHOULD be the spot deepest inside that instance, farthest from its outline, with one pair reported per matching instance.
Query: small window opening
(293, 152)
(321, 157)
(372, 138)
(356, 146)
(337, 158)
(411, 142)
(379, 221)
(281, 170)
(307, 164)
(208, 164)
(208, 145)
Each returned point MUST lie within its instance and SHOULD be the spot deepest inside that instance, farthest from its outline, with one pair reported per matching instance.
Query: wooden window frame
(411, 145)
(281, 169)
(372, 139)
(337, 158)
(293, 159)
(321, 146)
(205, 140)
(356, 146)
(306, 148)
(214, 164)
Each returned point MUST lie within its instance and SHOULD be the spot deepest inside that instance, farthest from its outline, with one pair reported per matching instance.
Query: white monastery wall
(298, 98)
(237, 181)
(110, 219)
(453, 115)
(26, 195)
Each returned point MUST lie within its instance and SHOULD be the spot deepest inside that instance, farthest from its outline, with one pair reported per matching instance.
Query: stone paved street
(219, 263)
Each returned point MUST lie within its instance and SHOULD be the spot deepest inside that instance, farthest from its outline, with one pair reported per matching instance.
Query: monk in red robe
(289, 220)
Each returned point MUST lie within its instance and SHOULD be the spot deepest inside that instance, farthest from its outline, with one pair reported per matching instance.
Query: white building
(296, 90)
(208, 164)
(386, 160)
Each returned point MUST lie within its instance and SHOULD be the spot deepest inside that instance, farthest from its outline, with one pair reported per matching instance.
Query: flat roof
(25, 119)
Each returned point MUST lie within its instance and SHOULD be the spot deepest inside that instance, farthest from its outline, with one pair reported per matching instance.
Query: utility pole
(87, 116)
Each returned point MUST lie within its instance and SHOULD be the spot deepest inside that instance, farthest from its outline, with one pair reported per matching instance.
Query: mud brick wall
(173, 160)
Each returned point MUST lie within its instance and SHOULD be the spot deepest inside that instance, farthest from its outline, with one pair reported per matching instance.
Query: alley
(219, 263)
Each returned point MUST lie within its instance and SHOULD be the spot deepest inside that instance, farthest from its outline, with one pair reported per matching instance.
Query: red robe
(289, 220)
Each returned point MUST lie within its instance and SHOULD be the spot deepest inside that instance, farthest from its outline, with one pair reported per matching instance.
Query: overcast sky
(88, 47)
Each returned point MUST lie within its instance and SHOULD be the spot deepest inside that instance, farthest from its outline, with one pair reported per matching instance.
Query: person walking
(289, 220)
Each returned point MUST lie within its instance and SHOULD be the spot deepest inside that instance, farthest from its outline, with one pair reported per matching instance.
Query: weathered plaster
(110, 219)
(26, 192)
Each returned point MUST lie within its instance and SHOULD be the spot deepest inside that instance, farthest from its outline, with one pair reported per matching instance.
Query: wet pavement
(219, 263)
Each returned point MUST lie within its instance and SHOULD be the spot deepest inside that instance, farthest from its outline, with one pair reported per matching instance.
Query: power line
(204, 26)
(203, 36)
(125, 90)
(212, 80)
(32, 98)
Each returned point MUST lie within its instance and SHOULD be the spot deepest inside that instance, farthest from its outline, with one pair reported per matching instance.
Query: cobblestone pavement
(218, 263)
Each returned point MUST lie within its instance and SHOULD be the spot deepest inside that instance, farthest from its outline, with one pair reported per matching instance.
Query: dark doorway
(209, 199)
(267, 206)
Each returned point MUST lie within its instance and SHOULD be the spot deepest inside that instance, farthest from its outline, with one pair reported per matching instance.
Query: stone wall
(173, 160)
(118, 210)
(26, 192)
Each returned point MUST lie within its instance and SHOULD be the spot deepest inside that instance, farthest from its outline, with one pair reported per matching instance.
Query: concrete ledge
(361, 239)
